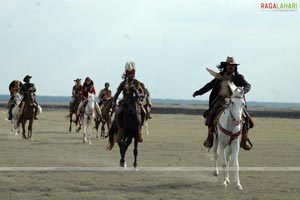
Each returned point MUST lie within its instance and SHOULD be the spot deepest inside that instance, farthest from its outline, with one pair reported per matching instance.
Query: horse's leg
(23, 129)
(89, 130)
(84, 131)
(135, 152)
(122, 153)
(30, 129)
(70, 127)
(216, 155)
(235, 153)
(109, 124)
(79, 124)
(228, 155)
(97, 123)
(146, 126)
(103, 129)
(224, 162)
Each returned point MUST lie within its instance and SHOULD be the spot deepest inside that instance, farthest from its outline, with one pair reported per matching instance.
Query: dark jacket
(215, 85)
(25, 87)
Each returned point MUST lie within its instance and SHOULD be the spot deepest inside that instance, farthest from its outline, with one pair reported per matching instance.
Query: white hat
(129, 66)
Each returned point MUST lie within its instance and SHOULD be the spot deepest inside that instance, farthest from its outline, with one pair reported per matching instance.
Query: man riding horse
(217, 98)
(128, 85)
(27, 88)
(104, 94)
(76, 93)
(146, 102)
(14, 87)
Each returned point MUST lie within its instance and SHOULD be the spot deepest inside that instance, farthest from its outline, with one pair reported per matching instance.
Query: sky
(172, 43)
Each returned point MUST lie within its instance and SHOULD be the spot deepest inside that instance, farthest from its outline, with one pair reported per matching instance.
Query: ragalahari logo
(271, 6)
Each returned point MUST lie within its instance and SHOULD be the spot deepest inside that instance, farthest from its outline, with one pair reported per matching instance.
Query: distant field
(174, 141)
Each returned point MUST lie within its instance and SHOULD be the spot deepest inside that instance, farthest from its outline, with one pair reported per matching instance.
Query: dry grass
(174, 141)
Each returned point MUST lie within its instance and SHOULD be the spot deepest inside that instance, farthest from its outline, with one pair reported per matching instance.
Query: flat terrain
(174, 141)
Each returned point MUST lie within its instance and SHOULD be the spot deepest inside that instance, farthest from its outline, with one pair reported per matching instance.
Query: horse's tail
(111, 135)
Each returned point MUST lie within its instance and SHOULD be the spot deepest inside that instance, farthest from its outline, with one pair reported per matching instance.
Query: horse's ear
(232, 86)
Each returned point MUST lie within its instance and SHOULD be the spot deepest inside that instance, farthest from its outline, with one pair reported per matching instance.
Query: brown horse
(126, 124)
(28, 113)
(73, 111)
(105, 119)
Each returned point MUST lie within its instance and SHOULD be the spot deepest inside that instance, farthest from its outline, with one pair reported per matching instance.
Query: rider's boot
(140, 137)
(210, 139)
(245, 140)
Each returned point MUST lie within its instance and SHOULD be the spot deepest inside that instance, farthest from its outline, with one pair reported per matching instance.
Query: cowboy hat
(78, 79)
(229, 60)
(27, 77)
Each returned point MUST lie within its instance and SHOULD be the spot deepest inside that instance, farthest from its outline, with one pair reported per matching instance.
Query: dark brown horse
(126, 125)
(105, 119)
(73, 111)
(28, 113)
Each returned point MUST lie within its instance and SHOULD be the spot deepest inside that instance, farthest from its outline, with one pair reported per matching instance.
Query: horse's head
(30, 97)
(91, 97)
(91, 100)
(236, 103)
(17, 98)
(131, 101)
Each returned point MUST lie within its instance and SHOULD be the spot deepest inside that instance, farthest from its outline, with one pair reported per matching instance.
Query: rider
(104, 94)
(146, 102)
(217, 99)
(25, 89)
(14, 88)
(76, 92)
(88, 87)
(126, 85)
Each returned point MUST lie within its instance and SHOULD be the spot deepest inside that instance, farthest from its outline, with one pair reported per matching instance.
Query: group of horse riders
(217, 99)
(24, 89)
(80, 94)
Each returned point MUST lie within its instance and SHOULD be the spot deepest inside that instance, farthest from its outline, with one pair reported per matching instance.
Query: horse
(73, 110)
(130, 118)
(28, 113)
(15, 128)
(88, 116)
(106, 118)
(144, 118)
(228, 130)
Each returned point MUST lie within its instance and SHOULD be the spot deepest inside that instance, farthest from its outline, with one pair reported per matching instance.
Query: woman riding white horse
(90, 110)
(228, 131)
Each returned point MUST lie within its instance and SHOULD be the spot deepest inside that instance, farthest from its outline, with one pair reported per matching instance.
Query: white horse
(90, 110)
(228, 131)
(15, 126)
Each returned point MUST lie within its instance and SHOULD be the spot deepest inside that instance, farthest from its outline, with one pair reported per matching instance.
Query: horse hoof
(216, 173)
(239, 187)
(224, 184)
(123, 164)
(136, 169)
(227, 180)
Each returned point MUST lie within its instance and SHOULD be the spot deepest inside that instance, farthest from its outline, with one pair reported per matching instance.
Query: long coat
(215, 85)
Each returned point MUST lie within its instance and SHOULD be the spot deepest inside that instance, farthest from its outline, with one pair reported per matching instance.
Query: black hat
(27, 78)
(78, 79)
